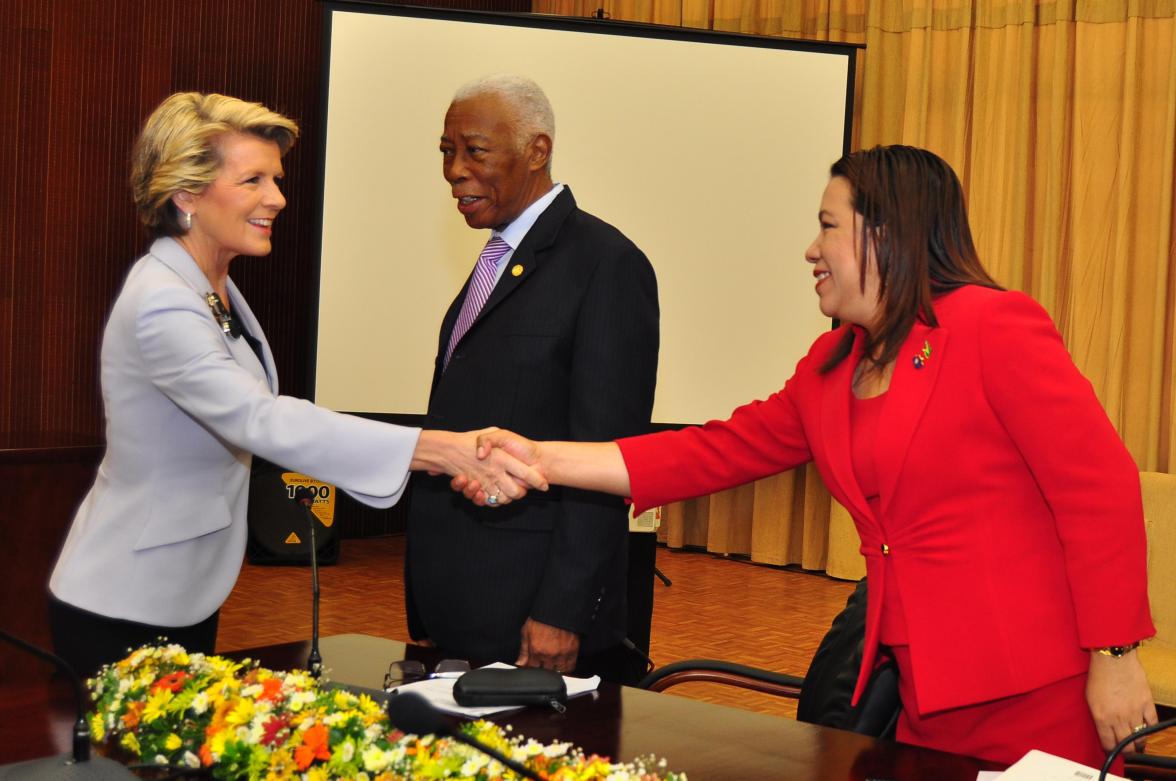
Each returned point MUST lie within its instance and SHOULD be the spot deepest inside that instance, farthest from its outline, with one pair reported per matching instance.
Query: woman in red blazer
(999, 512)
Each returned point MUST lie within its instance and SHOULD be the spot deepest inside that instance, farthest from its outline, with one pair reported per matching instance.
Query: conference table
(708, 742)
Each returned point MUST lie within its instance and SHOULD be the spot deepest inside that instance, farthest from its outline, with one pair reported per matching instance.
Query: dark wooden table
(709, 742)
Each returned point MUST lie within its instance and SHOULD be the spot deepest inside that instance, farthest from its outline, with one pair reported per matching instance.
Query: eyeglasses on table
(404, 671)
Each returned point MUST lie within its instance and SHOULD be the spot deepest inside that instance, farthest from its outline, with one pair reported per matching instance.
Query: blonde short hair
(176, 150)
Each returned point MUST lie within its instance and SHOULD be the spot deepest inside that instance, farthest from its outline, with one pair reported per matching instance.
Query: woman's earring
(188, 220)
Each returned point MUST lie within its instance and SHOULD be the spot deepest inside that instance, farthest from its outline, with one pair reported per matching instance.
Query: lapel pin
(923, 356)
(516, 270)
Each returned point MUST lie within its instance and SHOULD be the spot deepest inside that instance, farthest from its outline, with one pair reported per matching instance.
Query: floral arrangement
(164, 706)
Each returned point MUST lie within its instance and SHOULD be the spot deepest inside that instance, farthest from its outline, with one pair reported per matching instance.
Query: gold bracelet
(1116, 650)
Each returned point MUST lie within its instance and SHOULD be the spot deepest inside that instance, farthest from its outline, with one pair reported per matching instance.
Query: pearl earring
(188, 220)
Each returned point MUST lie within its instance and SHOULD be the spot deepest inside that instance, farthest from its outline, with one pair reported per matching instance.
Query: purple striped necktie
(485, 275)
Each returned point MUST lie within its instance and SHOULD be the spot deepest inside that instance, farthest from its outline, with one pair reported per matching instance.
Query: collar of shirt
(514, 233)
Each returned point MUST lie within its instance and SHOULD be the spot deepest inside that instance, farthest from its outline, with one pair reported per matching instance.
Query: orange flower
(206, 755)
(130, 719)
(314, 746)
(271, 690)
(173, 682)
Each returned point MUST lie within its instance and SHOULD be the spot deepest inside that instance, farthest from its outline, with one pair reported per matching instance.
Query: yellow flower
(317, 773)
(172, 742)
(241, 714)
(216, 744)
(97, 728)
(370, 708)
(130, 743)
(156, 704)
(281, 765)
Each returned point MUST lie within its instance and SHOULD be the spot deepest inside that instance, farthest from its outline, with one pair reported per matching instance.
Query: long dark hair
(913, 213)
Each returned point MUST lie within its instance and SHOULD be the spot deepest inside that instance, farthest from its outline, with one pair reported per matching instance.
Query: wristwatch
(1117, 650)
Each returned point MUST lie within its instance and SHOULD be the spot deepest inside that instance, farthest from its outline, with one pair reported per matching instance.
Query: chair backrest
(1159, 512)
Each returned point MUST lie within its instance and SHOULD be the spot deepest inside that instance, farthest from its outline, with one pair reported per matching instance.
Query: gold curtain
(1060, 118)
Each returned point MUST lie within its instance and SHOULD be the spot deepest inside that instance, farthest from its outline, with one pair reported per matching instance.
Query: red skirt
(1054, 718)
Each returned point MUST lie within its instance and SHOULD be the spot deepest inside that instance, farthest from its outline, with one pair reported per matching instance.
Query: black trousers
(87, 640)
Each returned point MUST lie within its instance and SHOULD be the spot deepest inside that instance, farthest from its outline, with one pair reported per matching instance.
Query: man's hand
(1119, 697)
(543, 645)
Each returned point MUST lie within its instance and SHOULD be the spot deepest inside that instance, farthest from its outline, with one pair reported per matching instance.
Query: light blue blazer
(160, 537)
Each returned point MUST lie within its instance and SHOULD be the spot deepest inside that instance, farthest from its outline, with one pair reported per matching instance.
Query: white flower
(200, 703)
(159, 759)
(556, 749)
(251, 691)
(375, 760)
(190, 760)
(347, 750)
(300, 700)
(474, 764)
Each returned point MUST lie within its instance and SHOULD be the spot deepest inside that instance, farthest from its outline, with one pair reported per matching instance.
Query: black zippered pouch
(491, 686)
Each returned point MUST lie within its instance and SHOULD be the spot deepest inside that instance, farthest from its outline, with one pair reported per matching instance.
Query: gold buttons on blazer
(885, 549)
(516, 270)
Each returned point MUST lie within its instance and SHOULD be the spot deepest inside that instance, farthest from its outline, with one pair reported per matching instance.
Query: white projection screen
(709, 151)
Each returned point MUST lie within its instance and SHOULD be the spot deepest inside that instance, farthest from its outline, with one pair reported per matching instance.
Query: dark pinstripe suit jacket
(567, 349)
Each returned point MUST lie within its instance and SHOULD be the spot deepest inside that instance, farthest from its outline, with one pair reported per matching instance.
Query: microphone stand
(78, 763)
(305, 497)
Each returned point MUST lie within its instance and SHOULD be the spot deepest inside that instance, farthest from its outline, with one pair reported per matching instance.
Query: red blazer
(1014, 514)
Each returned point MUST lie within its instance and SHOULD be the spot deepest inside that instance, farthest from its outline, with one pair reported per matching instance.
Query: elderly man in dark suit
(555, 335)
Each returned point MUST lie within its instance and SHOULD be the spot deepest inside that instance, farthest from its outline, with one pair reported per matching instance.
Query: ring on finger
(492, 499)
(1139, 728)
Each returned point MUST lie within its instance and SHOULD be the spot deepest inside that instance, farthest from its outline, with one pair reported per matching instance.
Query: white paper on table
(1040, 766)
(439, 693)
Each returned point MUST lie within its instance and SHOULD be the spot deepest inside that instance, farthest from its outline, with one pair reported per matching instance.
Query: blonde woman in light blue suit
(190, 393)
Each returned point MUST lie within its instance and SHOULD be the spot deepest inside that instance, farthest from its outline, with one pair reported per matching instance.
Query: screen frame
(592, 25)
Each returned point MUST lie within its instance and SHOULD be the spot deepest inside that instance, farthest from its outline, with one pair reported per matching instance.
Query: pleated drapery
(1060, 118)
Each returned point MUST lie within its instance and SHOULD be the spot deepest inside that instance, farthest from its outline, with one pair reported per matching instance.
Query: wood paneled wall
(79, 77)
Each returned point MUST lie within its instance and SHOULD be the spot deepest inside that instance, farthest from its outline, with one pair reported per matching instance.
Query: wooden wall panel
(43, 487)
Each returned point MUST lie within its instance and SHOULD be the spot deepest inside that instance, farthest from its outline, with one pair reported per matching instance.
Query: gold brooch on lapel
(923, 356)
(516, 270)
(222, 316)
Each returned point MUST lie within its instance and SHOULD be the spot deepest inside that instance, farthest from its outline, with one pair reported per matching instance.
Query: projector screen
(709, 151)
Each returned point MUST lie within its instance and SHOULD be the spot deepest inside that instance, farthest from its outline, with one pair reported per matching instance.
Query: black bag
(832, 676)
(489, 686)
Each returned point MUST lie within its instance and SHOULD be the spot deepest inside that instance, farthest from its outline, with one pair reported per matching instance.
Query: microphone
(1159, 726)
(412, 713)
(77, 764)
(632, 648)
(304, 496)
